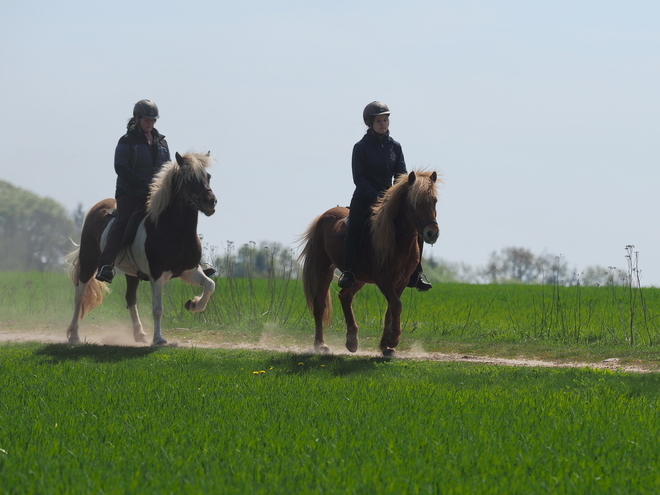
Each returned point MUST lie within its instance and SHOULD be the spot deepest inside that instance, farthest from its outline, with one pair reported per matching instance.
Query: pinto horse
(388, 257)
(165, 246)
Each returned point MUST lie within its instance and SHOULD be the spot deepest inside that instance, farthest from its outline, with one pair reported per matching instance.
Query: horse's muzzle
(209, 207)
(431, 232)
(207, 204)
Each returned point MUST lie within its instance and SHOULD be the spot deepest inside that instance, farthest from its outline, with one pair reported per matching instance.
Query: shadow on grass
(57, 353)
(335, 364)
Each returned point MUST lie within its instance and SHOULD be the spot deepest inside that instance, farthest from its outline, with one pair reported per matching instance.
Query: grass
(552, 322)
(107, 419)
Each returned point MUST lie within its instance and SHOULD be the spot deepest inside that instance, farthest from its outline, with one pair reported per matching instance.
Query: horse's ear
(411, 178)
(208, 153)
(434, 177)
(179, 160)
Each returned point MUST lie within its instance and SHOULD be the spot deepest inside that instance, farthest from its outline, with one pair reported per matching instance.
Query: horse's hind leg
(72, 331)
(131, 304)
(321, 308)
(346, 298)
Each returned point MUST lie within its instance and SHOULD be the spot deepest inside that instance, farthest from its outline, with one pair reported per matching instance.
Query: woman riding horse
(377, 160)
(139, 155)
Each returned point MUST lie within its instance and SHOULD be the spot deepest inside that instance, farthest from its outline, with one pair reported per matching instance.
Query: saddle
(132, 227)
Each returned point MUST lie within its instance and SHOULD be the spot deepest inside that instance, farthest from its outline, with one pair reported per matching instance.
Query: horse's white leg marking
(138, 330)
(197, 277)
(157, 308)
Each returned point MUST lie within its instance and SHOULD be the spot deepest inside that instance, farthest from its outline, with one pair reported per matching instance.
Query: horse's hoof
(352, 344)
(74, 340)
(189, 305)
(159, 342)
(321, 348)
(141, 338)
(388, 352)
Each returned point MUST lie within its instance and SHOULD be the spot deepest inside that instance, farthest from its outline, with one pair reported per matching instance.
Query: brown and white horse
(165, 246)
(387, 259)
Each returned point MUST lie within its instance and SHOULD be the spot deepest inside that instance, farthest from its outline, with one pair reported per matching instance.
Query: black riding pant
(126, 206)
(358, 216)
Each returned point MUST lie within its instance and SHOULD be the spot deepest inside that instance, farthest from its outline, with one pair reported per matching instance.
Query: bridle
(194, 197)
(418, 225)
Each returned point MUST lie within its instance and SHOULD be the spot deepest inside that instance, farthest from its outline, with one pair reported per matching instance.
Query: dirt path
(117, 336)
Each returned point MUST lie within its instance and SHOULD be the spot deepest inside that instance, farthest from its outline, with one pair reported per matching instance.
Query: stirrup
(423, 283)
(105, 274)
(346, 280)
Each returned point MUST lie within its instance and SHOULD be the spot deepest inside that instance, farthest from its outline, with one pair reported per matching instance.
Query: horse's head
(407, 209)
(185, 181)
(195, 185)
(422, 197)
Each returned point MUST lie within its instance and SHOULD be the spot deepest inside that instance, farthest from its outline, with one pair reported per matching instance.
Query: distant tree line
(518, 265)
(36, 234)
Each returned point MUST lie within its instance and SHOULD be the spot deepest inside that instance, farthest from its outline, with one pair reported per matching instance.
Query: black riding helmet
(372, 110)
(146, 109)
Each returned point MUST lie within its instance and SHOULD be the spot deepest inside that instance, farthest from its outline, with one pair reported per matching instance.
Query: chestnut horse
(165, 246)
(387, 258)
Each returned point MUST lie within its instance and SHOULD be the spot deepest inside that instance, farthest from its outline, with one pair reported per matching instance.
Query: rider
(139, 155)
(377, 160)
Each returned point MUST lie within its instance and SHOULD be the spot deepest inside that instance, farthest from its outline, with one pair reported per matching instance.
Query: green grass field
(591, 323)
(136, 419)
(108, 419)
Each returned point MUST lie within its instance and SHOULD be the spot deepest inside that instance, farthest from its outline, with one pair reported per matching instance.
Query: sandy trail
(111, 335)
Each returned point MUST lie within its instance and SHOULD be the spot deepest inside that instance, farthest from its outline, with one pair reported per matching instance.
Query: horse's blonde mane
(387, 207)
(167, 182)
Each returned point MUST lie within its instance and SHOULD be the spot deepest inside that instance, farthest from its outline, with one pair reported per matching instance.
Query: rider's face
(146, 124)
(381, 124)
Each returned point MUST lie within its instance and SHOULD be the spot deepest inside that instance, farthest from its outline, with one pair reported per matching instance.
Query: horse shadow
(337, 365)
(58, 353)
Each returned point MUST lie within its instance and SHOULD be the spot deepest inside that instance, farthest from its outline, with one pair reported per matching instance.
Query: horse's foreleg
(346, 298)
(157, 309)
(391, 324)
(131, 304)
(197, 277)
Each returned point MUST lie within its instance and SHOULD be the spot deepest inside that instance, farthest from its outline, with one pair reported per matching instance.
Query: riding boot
(346, 280)
(106, 273)
(418, 280)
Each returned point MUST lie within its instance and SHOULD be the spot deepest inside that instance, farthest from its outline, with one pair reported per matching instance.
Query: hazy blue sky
(542, 117)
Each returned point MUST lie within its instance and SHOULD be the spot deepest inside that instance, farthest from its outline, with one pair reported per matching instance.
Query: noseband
(194, 197)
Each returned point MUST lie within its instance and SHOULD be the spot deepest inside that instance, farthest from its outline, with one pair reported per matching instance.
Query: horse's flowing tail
(311, 272)
(94, 291)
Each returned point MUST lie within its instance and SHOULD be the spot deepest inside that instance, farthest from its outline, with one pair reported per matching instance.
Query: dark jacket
(377, 160)
(136, 162)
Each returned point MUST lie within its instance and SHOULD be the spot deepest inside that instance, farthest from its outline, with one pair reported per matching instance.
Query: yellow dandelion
(301, 364)
(255, 372)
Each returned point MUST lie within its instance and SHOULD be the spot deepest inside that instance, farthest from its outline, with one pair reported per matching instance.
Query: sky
(541, 117)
